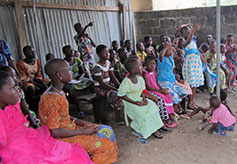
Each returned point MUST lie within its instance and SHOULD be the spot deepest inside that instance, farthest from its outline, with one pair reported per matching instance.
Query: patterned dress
(54, 112)
(110, 94)
(30, 72)
(85, 48)
(213, 67)
(5, 54)
(192, 66)
(141, 55)
(166, 79)
(164, 101)
(83, 83)
(231, 62)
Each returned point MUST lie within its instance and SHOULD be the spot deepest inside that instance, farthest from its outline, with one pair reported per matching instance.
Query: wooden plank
(69, 7)
(124, 22)
(62, 6)
(20, 26)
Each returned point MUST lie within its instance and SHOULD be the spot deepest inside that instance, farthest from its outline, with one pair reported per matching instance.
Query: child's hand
(177, 76)
(90, 130)
(142, 103)
(168, 45)
(197, 27)
(90, 24)
(235, 47)
(153, 98)
(181, 81)
(89, 124)
(164, 91)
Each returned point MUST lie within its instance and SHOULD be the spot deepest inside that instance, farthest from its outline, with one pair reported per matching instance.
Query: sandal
(159, 136)
(142, 141)
(165, 129)
(137, 134)
(221, 133)
(174, 124)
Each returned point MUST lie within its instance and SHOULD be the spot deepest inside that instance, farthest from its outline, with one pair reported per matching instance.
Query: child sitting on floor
(119, 69)
(143, 112)
(222, 118)
(165, 102)
(141, 54)
(105, 81)
(207, 111)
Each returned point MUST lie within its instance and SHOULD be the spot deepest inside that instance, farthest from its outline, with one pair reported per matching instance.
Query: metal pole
(218, 39)
(38, 36)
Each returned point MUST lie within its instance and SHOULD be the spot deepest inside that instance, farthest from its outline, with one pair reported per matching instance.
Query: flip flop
(166, 129)
(174, 124)
(159, 136)
(137, 134)
(142, 141)
(221, 133)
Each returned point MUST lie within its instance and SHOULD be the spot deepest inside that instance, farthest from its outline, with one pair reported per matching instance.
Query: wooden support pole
(20, 25)
(123, 11)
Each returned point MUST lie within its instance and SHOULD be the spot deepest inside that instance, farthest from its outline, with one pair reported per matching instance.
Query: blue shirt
(5, 54)
(165, 69)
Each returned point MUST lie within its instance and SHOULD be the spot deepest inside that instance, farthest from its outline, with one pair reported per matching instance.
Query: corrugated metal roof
(55, 26)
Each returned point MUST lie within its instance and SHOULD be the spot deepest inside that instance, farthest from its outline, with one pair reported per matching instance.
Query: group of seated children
(150, 85)
(61, 138)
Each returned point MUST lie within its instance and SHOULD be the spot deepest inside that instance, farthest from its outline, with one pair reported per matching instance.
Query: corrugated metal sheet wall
(55, 26)
(8, 30)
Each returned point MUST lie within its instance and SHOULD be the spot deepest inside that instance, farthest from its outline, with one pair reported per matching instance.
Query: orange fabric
(54, 112)
(30, 72)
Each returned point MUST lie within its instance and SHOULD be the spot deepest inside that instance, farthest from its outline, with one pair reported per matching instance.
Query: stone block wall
(155, 23)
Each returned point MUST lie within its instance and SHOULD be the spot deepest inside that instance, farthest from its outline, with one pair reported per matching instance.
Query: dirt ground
(184, 145)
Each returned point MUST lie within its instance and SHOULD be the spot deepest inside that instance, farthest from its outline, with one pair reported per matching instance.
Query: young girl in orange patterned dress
(98, 140)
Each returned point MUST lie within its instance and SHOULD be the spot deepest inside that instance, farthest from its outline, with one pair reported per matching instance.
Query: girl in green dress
(143, 112)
